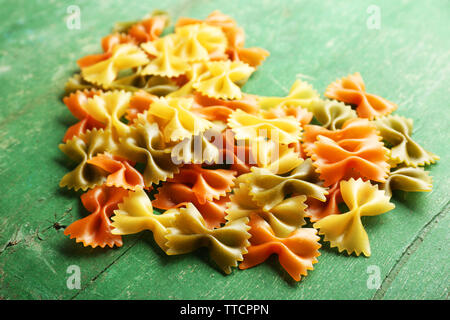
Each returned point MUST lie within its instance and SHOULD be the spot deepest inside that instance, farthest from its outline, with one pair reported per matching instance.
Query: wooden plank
(406, 61)
(425, 268)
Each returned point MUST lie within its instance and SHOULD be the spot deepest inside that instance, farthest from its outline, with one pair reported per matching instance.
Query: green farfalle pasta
(81, 149)
(284, 218)
(227, 244)
(156, 85)
(145, 144)
(397, 130)
(408, 179)
(332, 114)
(269, 189)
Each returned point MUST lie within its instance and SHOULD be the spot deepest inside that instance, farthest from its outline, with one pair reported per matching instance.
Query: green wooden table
(405, 60)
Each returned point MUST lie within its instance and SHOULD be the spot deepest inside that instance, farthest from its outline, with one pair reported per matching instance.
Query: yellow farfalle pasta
(175, 118)
(277, 158)
(301, 94)
(108, 108)
(135, 214)
(284, 218)
(221, 79)
(81, 149)
(198, 42)
(123, 57)
(250, 127)
(226, 244)
(165, 63)
(345, 231)
(195, 149)
(397, 130)
(145, 144)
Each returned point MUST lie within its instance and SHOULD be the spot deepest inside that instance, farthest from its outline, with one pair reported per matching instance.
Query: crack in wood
(410, 250)
(106, 268)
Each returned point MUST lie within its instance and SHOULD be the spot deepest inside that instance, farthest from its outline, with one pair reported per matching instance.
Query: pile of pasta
(168, 142)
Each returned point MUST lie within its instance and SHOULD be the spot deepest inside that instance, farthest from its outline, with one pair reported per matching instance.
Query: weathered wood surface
(406, 60)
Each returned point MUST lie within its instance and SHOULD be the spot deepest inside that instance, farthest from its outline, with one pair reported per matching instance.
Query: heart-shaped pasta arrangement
(167, 141)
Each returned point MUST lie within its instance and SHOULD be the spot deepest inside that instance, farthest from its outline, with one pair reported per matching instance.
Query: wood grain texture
(405, 61)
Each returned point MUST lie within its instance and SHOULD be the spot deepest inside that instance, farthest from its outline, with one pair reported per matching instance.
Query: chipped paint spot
(4, 69)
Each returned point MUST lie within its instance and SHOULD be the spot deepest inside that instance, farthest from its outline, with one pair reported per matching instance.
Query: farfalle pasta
(167, 141)
(200, 42)
(121, 172)
(235, 38)
(408, 179)
(352, 90)
(81, 149)
(221, 79)
(397, 130)
(108, 108)
(95, 229)
(226, 244)
(206, 184)
(176, 120)
(135, 214)
(269, 189)
(345, 231)
(353, 151)
(76, 102)
(123, 57)
(283, 218)
(332, 114)
(301, 94)
(175, 195)
(297, 252)
(165, 62)
(250, 127)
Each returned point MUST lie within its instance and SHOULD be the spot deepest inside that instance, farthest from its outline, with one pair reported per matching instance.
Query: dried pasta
(397, 131)
(351, 152)
(167, 141)
(345, 231)
(226, 244)
(297, 252)
(408, 179)
(95, 229)
(352, 90)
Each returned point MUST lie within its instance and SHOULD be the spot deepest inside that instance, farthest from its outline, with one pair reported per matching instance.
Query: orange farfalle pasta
(122, 174)
(352, 90)
(297, 253)
(355, 151)
(143, 31)
(207, 184)
(175, 195)
(317, 210)
(74, 103)
(95, 229)
(218, 109)
(149, 29)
